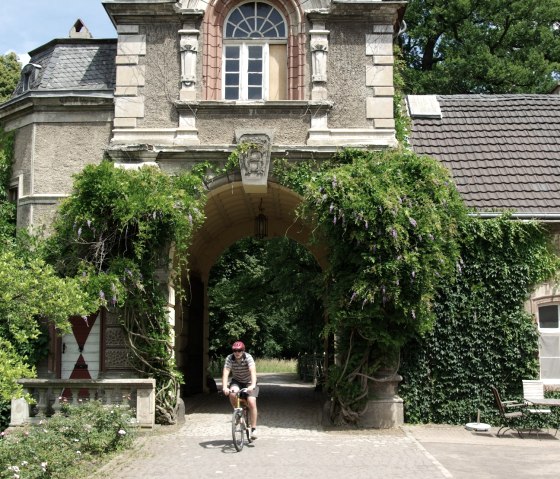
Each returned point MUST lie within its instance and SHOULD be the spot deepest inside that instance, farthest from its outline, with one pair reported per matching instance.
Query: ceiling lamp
(261, 224)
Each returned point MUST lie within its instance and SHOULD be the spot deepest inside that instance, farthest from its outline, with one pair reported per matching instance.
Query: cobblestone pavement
(292, 442)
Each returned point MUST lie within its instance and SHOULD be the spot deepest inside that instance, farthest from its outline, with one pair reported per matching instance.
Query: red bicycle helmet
(238, 345)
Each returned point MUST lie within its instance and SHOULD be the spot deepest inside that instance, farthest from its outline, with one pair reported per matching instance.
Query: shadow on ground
(284, 402)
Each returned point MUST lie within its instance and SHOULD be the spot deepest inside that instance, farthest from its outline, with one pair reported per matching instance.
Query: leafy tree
(31, 293)
(266, 293)
(10, 69)
(481, 46)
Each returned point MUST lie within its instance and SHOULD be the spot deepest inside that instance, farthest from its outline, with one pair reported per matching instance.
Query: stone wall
(62, 150)
(162, 80)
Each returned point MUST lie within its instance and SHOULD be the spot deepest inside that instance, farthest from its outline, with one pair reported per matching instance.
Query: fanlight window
(255, 59)
(255, 20)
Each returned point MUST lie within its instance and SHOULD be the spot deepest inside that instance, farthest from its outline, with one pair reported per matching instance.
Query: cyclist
(244, 375)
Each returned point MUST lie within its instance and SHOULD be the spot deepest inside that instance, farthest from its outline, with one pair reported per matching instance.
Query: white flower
(24, 463)
(78, 452)
(122, 432)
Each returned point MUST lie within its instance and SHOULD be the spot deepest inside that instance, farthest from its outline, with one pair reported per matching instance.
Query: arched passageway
(230, 216)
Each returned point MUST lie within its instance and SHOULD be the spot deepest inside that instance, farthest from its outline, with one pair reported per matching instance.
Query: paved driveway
(293, 443)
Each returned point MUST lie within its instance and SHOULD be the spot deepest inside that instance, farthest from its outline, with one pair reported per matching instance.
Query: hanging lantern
(261, 224)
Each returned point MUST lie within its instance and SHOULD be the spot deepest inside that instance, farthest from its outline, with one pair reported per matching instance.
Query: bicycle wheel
(237, 430)
(247, 414)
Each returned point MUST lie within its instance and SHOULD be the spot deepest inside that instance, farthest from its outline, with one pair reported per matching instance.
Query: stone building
(187, 81)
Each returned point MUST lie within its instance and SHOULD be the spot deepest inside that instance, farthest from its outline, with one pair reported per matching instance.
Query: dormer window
(254, 53)
(28, 74)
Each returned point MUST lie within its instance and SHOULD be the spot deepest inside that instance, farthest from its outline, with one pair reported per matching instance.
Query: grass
(272, 365)
(264, 365)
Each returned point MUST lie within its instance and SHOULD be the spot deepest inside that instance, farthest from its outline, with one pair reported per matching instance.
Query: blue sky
(28, 24)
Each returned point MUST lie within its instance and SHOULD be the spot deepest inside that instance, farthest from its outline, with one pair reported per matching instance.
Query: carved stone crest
(254, 159)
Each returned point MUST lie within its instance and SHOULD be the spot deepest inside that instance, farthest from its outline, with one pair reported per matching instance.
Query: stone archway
(230, 216)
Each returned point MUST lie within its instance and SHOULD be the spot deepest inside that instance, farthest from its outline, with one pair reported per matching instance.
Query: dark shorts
(240, 385)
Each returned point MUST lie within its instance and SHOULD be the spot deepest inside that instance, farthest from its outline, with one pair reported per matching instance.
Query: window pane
(548, 316)
(263, 10)
(255, 93)
(232, 65)
(235, 17)
(255, 20)
(247, 10)
(232, 79)
(255, 65)
(255, 79)
(232, 93)
(232, 52)
(255, 52)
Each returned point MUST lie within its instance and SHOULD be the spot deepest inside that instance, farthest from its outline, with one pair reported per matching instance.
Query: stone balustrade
(50, 394)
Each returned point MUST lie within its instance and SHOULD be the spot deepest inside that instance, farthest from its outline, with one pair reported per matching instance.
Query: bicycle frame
(240, 421)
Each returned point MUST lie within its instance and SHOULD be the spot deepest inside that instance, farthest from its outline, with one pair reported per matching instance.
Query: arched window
(254, 53)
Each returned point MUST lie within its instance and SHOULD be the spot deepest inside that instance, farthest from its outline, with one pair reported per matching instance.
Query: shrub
(66, 443)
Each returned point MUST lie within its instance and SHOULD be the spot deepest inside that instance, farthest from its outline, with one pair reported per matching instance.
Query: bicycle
(241, 420)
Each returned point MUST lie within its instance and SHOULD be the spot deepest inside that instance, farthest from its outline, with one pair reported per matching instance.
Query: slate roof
(73, 64)
(502, 150)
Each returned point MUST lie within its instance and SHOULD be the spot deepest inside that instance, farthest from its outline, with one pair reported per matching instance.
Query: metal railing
(310, 368)
(50, 394)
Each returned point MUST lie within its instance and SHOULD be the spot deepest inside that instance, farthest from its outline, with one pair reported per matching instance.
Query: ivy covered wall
(482, 334)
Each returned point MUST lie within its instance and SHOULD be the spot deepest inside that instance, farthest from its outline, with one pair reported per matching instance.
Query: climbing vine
(482, 334)
(114, 233)
(417, 285)
(391, 221)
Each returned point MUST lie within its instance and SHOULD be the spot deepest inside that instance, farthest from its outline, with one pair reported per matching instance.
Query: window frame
(244, 44)
(548, 330)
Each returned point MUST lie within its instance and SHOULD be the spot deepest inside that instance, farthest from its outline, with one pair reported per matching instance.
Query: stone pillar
(19, 412)
(146, 405)
(384, 408)
(319, 43)
(379, 75)
(189, 50)
(188, 44)
(129, 102)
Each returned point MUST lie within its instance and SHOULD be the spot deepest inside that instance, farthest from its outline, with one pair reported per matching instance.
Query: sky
(28, 24)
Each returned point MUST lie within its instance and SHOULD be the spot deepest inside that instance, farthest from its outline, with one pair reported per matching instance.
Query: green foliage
(113, 234)
(494, 46)
(402, 120)
(7, 210)
(67, 444)
(391, 221)
(32, 294)
(267, 293)
(482, 335)
(10, 69)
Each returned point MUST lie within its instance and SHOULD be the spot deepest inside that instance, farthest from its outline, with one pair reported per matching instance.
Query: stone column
(385, 408)
(189, 51)
(319, 43)
(129, 102)
(379, 75)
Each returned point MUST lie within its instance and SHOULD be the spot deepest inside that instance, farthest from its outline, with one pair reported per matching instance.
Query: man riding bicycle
(244, 375)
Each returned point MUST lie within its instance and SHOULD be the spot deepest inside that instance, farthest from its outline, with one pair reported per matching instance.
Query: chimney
(79, 30)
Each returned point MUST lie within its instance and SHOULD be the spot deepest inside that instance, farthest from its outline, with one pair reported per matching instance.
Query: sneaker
(253, 433)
